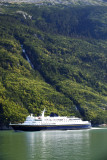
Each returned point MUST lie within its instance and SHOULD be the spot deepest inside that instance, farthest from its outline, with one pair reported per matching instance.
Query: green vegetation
(68, 49)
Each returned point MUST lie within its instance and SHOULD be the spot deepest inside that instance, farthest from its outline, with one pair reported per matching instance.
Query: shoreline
(5, 128)
(10, 128)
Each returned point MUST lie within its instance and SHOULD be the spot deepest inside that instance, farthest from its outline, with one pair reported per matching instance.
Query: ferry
(51, 123)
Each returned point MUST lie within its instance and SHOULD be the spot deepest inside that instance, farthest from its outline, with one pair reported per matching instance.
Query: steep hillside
(55, 58)
(55, 2)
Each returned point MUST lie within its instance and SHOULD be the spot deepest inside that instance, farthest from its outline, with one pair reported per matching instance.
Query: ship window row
(62, 120)
(54, 119)
(29, 120)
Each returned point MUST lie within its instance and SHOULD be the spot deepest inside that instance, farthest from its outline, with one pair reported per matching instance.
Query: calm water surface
(54, 145)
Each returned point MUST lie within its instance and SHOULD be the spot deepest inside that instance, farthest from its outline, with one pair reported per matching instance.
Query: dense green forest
(53, 57)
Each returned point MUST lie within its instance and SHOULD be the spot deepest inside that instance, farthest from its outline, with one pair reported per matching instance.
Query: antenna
(43, 112)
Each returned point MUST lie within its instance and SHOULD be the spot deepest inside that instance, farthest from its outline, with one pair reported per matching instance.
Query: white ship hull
(51, 123)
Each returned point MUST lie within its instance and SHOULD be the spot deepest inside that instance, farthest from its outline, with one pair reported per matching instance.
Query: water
(54, 145)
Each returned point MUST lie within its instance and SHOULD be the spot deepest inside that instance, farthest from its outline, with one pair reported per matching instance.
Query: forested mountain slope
(55, 2)
(53, 57)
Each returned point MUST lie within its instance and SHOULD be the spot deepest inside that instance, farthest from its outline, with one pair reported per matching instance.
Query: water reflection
(54, 145)
(12, 146)
(98, 144)
(58, 145)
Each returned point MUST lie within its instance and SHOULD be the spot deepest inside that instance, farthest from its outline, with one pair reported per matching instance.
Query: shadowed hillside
(53, 57)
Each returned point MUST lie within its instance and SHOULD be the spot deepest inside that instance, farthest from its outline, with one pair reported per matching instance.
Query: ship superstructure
(51, 123)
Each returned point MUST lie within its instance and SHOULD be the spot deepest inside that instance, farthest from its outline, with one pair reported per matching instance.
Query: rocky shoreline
(5, 128)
